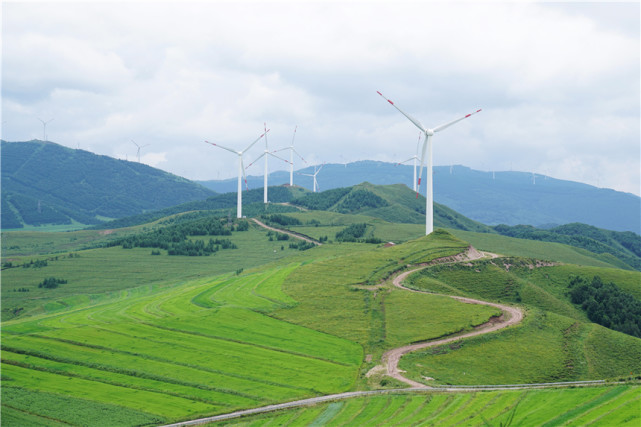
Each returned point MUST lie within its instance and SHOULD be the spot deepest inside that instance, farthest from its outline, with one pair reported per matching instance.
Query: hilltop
(46, 183)
(501, 197)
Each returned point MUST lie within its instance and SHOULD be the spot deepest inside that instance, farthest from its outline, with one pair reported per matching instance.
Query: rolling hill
(502, 197)
(46, 183)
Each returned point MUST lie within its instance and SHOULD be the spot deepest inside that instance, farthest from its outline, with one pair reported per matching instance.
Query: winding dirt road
(510, 316)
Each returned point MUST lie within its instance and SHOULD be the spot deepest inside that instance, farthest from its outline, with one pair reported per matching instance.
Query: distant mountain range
(46, 183)
(491, 198)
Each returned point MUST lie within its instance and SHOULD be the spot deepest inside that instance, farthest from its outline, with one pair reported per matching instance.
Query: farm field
(599, 406)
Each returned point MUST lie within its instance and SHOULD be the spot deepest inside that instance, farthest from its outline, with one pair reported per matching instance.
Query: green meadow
(139, 339)
(599, 406)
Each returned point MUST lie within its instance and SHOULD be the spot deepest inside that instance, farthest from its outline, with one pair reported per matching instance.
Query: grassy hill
(45, 183)
(137, 336)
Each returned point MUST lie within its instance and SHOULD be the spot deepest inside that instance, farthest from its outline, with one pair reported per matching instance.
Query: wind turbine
(265, 154)
(139, 147)
(314, 175)
(241, 172)
(44, 128)
(427, 148)
(415, 158)
(291, 158)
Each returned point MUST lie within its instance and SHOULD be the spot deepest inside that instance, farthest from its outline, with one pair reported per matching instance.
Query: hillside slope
(508, 197)
(46, 183)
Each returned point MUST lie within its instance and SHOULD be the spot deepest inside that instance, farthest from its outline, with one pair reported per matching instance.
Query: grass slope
(600, 406)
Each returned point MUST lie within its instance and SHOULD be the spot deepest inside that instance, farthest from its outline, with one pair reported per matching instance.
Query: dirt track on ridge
(291, 233)
(511, 316)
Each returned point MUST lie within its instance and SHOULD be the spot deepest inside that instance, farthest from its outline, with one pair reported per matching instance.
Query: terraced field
(202, 348)
(599, 406)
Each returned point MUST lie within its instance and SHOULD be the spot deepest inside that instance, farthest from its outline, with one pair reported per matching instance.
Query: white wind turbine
(241, 172)
(415, 158)
(139, 147)
(44, 128)
(291, 158)
(314, 175)
(427, 148)
(265, 154)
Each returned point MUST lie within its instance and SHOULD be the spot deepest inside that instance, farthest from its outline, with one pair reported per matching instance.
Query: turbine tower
(265, 154)
(314, 175)
(291, 158)
(139, 147)
(241, 172)
(415, 158)
(427, 149)
(44, 128)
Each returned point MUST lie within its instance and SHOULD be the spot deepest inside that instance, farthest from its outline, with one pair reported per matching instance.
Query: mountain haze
(503, 197)
(46, 183)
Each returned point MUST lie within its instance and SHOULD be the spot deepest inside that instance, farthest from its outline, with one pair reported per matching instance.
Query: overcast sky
(558, 82)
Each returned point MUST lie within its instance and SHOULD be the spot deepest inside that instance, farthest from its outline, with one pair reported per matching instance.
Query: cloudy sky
(558, 82)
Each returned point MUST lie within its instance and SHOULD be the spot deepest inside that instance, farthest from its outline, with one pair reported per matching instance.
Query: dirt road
(291, 233)
(511, 316)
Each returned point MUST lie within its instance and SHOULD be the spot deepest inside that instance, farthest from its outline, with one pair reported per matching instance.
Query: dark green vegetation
(166, 338)
(490, 198)
(626, 246)
(603, 406)
(46, 183)
(607, 305)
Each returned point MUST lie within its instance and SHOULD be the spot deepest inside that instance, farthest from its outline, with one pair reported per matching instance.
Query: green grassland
(537, 249)
(599, 406)
(165, 338)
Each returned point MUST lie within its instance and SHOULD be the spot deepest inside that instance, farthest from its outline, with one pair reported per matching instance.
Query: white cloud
(556, 83)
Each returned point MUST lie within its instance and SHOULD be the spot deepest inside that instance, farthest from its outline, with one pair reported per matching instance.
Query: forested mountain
(510, 198)
(46, 183)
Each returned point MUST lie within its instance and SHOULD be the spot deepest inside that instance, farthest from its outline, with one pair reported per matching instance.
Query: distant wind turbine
(291, 158)
(241, 172)
(427, 148)
(314, 176)
(139, 147)
(44, 128)
(415, 158)
(265, 154)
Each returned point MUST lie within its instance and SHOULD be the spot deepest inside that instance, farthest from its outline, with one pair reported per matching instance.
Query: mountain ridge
(492, 198)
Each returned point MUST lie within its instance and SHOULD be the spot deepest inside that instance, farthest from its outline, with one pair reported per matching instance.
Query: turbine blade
(224, 148)
(411, 119)
(446, 125)
(274, 155)
(319, 169)
(420, 170)
(301, 157)
(405, 161)
(255, 160)
(257, 139)
(293, 137)
(242, 166)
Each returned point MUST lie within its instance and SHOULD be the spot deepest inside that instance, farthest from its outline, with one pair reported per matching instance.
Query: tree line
(607, 305)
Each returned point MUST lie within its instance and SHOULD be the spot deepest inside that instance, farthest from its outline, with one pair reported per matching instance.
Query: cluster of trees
(301, 245)
(279, 236)
(280, 219)
(175, 239)
(321, 201)
(607, 305)
(51, 283)
(360, 199)
(624, 245)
